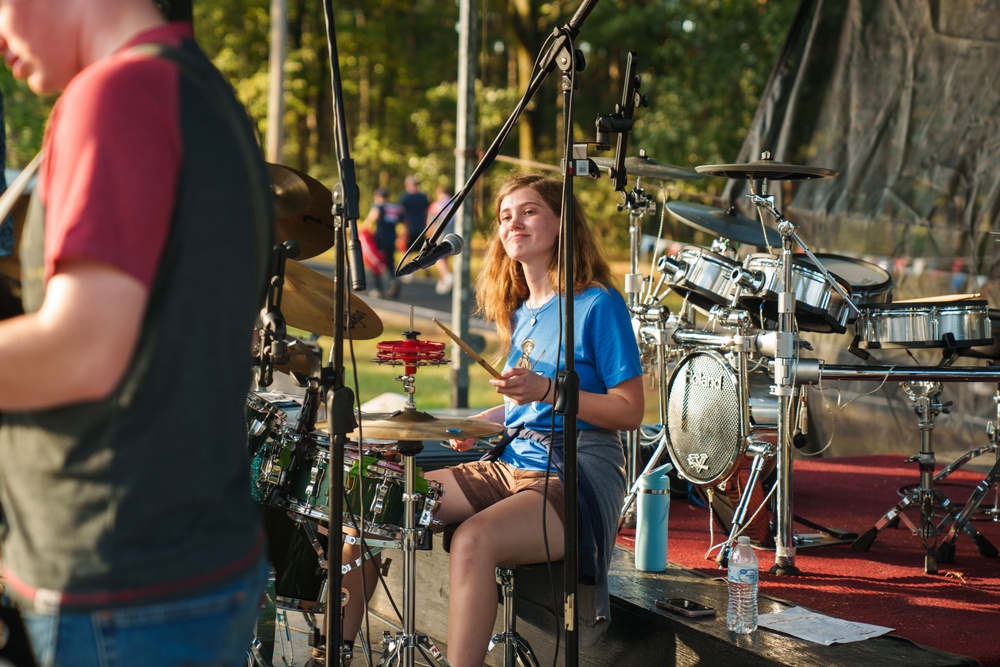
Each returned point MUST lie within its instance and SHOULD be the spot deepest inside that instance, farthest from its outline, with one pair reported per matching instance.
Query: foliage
(703, 65)
(24, 115)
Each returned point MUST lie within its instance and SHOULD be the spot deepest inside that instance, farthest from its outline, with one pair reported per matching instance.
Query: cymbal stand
(400, 651)
(926, 397)
(659, 333)
(638, 205)
(785, 364)
(946, 550)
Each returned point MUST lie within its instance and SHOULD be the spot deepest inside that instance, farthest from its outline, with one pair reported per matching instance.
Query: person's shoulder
(601, 301)
(600, 294)
(132, 71)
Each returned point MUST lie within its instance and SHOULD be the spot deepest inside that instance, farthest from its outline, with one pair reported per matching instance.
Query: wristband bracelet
(546, 394)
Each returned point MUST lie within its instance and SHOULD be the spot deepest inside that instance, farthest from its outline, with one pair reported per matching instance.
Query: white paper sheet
(819, 628)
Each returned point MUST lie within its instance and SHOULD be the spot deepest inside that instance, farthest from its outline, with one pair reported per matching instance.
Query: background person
(440, 206)
(130, 535)
(414, 204)
(383, 222)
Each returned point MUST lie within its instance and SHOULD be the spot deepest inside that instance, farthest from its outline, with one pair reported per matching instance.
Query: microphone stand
(340, 398)
(567, 386)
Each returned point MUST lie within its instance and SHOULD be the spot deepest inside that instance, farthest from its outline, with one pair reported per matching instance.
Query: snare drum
(377, 497)
(930, 324)
(705, 278)
(818, 306)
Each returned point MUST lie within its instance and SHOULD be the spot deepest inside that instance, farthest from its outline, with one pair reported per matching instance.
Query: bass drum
(708, 425)
(299, 567)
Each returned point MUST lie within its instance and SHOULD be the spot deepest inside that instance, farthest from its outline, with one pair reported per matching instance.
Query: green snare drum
(376, 497)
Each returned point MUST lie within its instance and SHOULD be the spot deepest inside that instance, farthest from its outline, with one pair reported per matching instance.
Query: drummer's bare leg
(507, 533)
(354, 610)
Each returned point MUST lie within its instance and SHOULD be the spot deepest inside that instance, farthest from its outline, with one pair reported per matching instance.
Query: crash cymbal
(307, 304)
(727, 224)
(303, 209)
(766, 168)
(647, 167)
(413, 425)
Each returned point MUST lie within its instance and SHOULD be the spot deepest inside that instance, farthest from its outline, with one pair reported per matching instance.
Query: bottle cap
(743, 539)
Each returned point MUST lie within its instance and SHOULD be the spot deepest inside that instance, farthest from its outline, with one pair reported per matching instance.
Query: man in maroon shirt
(129, 532)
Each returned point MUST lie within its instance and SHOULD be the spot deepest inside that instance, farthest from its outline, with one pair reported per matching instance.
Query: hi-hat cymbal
(413, 425)
(766, 168)
(647, 167)
(304, 210)
(307, 304)
(727, 224)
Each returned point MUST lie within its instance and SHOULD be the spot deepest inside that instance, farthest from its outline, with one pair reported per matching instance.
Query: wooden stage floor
(639, 634)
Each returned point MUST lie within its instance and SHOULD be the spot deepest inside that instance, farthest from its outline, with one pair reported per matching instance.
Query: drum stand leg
(926, 395)
(660, 316)
(399, 652)
(946, 551)
(740, 512)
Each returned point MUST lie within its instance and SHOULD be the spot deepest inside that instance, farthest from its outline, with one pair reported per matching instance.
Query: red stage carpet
(956, 610)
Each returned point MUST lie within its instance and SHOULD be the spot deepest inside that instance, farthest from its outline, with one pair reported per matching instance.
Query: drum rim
(709, 252)
(883, 285)
(964, 305)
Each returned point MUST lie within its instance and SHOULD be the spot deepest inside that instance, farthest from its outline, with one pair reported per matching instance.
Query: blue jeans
(212, 629)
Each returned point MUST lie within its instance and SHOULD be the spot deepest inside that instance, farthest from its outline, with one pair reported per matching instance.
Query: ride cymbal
(307, 303)
(303, 209)
(727, 224)
(766, 168)
(413, 425)
(647, 167)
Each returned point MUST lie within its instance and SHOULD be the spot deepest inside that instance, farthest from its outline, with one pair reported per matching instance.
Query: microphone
(451, 244)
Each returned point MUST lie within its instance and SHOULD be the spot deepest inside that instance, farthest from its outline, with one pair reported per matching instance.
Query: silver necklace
(534, 312)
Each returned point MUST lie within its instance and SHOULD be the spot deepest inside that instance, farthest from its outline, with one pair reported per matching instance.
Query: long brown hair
(501, 287)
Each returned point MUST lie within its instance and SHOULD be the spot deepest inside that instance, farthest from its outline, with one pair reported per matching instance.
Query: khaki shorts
(486, 483)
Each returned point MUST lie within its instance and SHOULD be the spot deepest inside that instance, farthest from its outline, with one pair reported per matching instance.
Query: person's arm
(621, 408)
(371, 220)
(78, 346)
(494, 414)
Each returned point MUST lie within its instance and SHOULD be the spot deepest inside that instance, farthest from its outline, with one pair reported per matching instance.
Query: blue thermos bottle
(652, 510)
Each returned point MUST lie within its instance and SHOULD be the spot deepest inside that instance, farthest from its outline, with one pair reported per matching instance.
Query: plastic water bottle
(744, 570)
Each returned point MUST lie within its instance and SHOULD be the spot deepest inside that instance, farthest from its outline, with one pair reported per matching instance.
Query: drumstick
(17, 188)
(468, 350)
(942, 298)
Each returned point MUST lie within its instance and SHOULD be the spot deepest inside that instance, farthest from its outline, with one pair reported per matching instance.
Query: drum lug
(377, 506)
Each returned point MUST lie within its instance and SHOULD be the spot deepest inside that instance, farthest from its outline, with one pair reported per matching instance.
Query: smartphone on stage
(684, 607)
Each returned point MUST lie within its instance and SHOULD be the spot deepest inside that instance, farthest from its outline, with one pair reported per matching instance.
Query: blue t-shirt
(606, 355)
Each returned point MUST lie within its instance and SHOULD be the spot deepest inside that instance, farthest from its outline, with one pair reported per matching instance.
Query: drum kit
(733, 402)
(733, 405)
(387, 503)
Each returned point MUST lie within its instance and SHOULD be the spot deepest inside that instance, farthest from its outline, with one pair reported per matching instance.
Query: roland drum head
(706, 418)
